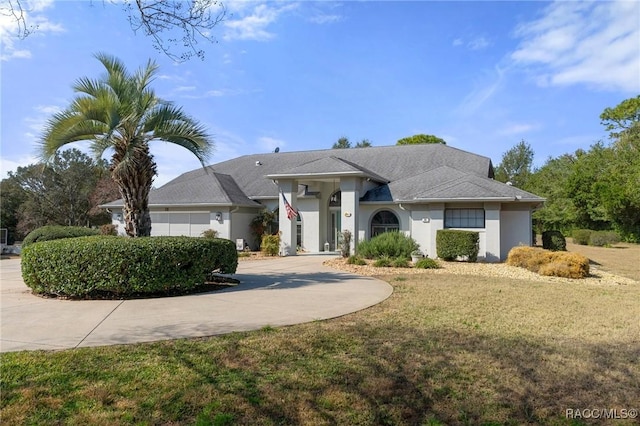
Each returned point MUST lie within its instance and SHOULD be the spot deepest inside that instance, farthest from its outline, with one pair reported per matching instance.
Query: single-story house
(415, 189)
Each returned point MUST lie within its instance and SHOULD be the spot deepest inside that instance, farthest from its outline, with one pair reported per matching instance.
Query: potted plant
(416, 255)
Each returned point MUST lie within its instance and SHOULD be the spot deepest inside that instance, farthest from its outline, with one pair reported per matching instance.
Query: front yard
(443, 349)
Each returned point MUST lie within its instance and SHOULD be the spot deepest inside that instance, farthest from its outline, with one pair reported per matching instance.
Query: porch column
(350, 189)
(492, 231)
(288, 227)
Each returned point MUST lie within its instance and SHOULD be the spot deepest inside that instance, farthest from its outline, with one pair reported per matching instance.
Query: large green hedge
(452, 244)
(117, 266)
(554, 241)
(56, 232)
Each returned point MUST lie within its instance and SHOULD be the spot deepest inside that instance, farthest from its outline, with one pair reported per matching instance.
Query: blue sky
(300, 75)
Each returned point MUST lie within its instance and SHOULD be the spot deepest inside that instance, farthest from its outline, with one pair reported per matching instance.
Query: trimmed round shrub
(581, 236)
(390, 244)
(427, 263)
(400, 262)
(209, 233)
(355, 260)
(383, 262)
(102, 266)
(603, 238)
(554, 241)
(56, 232)
(452, 244)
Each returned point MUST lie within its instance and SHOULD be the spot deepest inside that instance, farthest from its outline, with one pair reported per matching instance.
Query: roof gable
(327, 166)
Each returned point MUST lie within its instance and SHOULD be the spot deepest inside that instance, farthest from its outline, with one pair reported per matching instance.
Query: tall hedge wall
(452, 244)
(118, 266)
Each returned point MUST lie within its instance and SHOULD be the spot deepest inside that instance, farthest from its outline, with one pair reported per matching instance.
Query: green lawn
(443, 349)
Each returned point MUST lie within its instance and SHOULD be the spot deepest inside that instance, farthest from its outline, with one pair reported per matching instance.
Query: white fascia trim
(307, 175)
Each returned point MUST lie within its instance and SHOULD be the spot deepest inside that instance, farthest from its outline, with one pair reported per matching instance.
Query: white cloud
(516, 129)
(173, 160)
(184, 89)
(34, 124)
(592, 43)
(478, 43)
(485, 91)
(17, 19)
(253, 21)
(11, 165)
(322, 18)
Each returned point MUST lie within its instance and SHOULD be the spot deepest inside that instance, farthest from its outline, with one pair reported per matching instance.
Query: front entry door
(334, 231)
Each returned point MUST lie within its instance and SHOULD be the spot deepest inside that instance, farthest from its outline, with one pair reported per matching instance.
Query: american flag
(291, 213)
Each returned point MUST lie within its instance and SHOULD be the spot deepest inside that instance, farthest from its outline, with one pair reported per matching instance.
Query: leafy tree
(121, 112)
(585, 188)
(420, 139)
(11, 198)
(364, 143)
(516, 165)
(617, 188)
(172, 24)
(59, 193)
(623, 118)
(343, 143)
(550, 182)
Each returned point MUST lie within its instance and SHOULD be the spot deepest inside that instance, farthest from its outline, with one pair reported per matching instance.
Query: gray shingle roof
(328, 166)
(208, 188)
(412, 172)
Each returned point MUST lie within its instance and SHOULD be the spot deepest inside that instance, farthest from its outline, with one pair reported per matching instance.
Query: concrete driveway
(273, 292)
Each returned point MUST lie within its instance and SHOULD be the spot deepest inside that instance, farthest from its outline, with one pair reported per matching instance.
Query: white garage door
(182, 223)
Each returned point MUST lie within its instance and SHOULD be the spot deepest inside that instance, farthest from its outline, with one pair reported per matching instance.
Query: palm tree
(121, 112)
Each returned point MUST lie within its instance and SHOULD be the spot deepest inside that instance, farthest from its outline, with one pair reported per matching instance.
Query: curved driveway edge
(274, 292)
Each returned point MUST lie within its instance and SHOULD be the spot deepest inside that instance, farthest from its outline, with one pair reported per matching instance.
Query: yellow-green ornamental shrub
(270, 245)
(550, 263)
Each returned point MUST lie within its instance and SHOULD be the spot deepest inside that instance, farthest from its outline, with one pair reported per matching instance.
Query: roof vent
(258, 163)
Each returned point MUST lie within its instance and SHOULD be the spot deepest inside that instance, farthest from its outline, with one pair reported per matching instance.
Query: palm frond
(170, 124)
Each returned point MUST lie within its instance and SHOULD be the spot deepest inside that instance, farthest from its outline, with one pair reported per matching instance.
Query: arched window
(384, 221)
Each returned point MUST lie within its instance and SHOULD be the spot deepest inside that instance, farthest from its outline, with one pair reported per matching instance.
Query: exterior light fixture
(218, 216)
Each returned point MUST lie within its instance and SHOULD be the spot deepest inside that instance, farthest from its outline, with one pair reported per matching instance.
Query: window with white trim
(464, 218)
(384, 221)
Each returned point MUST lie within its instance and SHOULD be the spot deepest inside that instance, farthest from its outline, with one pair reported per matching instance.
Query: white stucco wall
(516, 228)
(309, 211)
(241, 219)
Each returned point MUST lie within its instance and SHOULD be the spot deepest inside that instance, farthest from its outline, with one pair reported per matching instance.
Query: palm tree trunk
(134, 181)
(137, 222)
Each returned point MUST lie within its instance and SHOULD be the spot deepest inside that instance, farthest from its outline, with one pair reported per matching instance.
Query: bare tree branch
(162, 19)
(177, 27)
(16, 11)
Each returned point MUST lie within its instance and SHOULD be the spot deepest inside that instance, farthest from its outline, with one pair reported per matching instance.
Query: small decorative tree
(263, 224)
